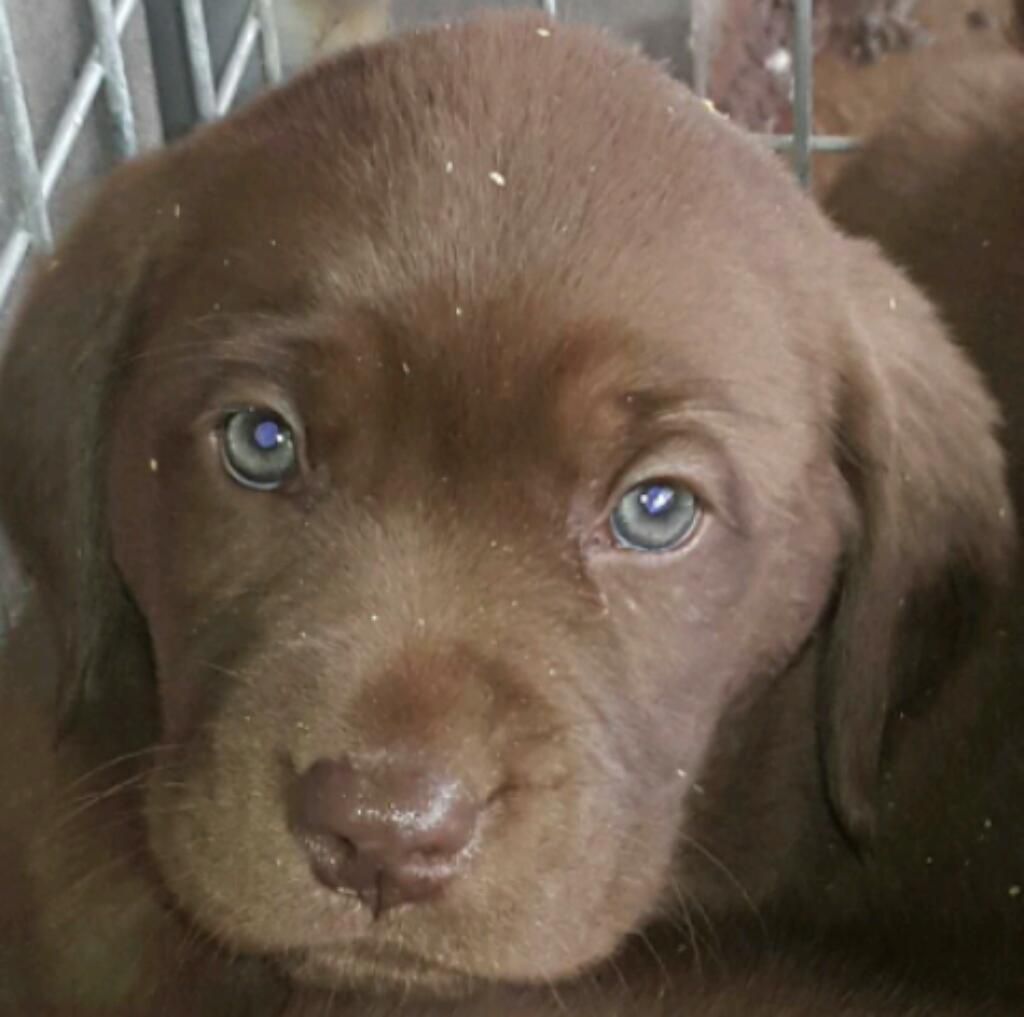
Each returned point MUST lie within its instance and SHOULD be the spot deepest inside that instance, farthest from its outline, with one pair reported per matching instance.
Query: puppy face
(471, 470)
(455, 568)
(446, 580)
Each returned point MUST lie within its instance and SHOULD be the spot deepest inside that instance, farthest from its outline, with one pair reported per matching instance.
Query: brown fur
(941, 188)
(781, 741)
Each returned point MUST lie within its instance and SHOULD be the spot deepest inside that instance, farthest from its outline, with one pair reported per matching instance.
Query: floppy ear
(55, 383)
(916, 440)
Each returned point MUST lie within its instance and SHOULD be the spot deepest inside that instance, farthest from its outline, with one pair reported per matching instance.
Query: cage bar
(82, 96)
(68, 128)
(830, 143)
(119, 97)
(12, 94)
(803, 89)
(197, 42)
(241, 54)
(269, 43)
(14, 252)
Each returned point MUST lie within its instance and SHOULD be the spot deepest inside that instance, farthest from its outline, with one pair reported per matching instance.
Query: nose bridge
(443, 639)
(462, 571)
(429, 701)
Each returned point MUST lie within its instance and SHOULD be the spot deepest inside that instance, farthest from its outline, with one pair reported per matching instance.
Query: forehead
(483, 155)
(495, 211)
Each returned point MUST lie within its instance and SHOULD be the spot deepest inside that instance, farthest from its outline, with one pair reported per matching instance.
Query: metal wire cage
(34, 162)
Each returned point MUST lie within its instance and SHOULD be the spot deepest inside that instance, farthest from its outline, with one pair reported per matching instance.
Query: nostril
(329, 857)
(392, 833)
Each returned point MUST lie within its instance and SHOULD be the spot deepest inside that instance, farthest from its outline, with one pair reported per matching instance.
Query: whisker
(691, 930)
(108, 764)
(728, 873)
(83, 804)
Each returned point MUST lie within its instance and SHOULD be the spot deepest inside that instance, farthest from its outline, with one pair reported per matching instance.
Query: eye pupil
(657, 499)
(267, 435)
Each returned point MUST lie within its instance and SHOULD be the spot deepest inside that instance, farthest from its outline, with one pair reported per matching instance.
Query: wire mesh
(115, 78)
(38, 179)
(30, 182)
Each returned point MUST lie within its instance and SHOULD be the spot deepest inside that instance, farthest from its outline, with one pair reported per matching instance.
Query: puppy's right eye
(258, 449)
(655, 516)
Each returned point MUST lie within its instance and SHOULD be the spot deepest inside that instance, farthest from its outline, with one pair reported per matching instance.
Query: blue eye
(258, 449)
(655, 516)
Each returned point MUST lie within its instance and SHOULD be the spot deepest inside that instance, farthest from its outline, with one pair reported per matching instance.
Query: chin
(377, 972)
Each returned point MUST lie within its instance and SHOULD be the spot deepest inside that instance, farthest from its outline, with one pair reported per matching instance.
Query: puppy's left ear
(916, 440)
(75, 326)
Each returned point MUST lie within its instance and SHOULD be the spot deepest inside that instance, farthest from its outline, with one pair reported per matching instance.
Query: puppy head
(467, 430)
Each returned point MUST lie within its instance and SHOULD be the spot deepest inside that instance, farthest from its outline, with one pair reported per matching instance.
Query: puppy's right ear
(929, 564)
(82, 309)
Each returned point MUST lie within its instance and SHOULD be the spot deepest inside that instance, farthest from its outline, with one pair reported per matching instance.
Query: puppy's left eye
(258, 449)
(655, 516)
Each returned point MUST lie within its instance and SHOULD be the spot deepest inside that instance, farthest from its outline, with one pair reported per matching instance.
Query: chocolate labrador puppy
(497, 549)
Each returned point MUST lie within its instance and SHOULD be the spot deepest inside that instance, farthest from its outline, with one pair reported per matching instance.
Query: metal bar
(803, 88)
(64, 137)
(241, 53)
(698, 43)
(12, 95)
(14, 252)
(204, 88)
(82, 95)
(119, 97)
(816, 142)
(270, 43)
(549, 7)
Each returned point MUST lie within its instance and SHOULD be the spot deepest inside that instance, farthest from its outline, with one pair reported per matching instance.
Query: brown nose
(391, 833)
